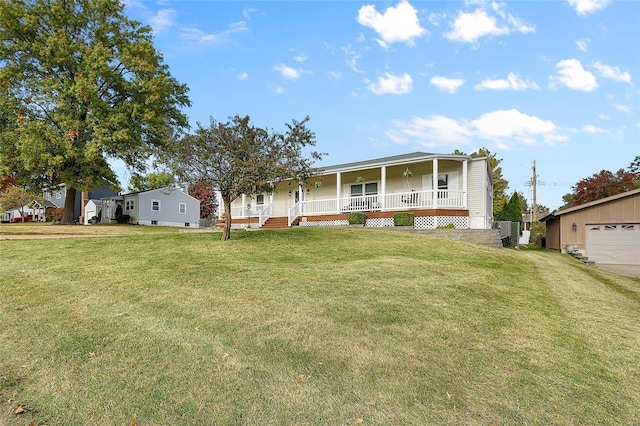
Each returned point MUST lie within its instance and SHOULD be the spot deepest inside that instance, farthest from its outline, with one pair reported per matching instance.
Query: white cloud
(588, 128)
(352, 58)
(162, 20)
(604, 117)
(583, 44)
(301, 57)
(242, 76)
(221, 37)
(512, 82)
(276, 88)
(613, 73)
(445, 84)
(506, 128)
(587, 7)
(246, 13)
(391, 84)
(469, 27)
(396, 24)
(574, 76)
(288, 72)
(335, 74)
(622, 108)
(432, 131)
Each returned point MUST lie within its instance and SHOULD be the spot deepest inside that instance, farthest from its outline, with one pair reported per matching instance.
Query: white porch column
(301, 198)
(464, 183)
(244, 203)
(435, 183)
(383, 186)
(338, 191)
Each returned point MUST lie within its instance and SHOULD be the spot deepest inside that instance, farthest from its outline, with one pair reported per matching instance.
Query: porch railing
(294, 212)
(265, 213)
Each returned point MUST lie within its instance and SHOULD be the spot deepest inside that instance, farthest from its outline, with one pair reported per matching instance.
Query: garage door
(614, 244)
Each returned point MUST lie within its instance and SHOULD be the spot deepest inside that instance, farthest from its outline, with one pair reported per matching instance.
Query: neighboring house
(439, 189)
(162, 207)
(57, 196)
(34, 211)
(607, 231)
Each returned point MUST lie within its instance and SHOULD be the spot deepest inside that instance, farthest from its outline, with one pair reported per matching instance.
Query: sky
(555, 82)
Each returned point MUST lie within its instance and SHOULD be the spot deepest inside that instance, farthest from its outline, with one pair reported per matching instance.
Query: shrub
(357, 218)
(403, 219)
(538, 230)
(448, 226)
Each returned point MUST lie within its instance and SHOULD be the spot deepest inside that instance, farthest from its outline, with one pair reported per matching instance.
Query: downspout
(244, 203)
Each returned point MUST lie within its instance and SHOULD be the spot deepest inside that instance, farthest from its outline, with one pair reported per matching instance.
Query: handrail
(265, 214)
(294, 212)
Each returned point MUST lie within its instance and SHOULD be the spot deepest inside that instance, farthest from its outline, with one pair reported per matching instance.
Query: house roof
(412, 157)
(591, 204)
(165, 190)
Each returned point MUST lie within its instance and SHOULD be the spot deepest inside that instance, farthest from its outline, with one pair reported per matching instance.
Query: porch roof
(412, 157)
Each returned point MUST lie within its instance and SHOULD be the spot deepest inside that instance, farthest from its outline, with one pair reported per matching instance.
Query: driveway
(626, 270)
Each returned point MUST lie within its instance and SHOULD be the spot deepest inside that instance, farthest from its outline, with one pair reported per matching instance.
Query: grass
(311, 326)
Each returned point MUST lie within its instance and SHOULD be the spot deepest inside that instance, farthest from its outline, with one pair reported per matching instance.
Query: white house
(439, 189)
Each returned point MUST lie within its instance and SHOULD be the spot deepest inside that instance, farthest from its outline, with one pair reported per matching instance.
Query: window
(155, 205)
(628, 227)
(610, 227)
(182, 208)
(129, 205)
(443, 182)
(187, 224)
(359, 189)
(260, 199)
(154, 222)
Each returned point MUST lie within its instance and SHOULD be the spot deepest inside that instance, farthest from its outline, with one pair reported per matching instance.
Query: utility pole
(533, 184)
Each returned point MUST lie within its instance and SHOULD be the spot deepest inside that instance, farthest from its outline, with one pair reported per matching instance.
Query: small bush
(448, 226)
(403, 219)
(357, 218)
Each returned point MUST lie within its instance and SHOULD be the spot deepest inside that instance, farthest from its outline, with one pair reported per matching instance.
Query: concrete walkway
(626, 270)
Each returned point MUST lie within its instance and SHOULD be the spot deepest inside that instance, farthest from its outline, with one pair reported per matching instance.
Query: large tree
(238, 158)
(601, 185)
(500, 184)
(206, 194)
(81, 84)
(150, 181)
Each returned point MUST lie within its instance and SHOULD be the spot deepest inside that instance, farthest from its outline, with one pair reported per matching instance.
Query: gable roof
(412, 157)
(592, 203)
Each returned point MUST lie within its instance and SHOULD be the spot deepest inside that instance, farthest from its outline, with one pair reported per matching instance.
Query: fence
(509, 233)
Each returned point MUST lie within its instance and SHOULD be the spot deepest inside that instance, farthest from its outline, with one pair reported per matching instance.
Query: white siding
(479, 194)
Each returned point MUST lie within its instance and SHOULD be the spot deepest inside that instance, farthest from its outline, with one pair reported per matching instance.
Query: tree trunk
(226, 231)
(69, 205)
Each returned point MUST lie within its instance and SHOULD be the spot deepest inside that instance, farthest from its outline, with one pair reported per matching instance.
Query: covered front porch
(432, 186)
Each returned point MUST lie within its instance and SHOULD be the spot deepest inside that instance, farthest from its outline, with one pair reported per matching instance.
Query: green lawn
(311, 326)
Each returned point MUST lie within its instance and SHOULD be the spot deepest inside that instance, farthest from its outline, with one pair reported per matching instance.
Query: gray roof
(412, 157)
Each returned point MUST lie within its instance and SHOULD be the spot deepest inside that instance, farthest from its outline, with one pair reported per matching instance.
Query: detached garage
(607, 231)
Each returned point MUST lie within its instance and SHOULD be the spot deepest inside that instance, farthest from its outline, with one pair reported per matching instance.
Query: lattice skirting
(324, 223)
(379, 222)
(432, 222)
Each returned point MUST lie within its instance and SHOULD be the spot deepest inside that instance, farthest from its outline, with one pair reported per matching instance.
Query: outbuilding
(607, 231)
